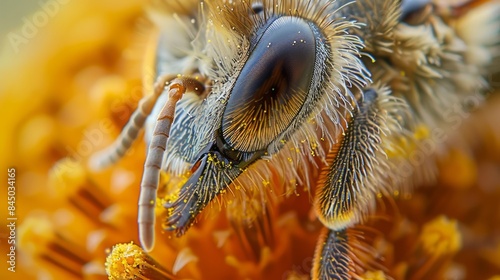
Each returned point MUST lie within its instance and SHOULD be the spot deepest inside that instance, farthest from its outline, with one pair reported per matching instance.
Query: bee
(337, 96)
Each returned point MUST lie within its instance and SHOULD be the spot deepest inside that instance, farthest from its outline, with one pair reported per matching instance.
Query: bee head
(284, 68)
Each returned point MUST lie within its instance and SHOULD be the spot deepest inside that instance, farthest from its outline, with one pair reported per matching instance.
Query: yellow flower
(68, 92)
(374, 275)
(440, 237)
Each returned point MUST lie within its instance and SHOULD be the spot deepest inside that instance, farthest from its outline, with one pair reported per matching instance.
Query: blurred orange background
(71, 74)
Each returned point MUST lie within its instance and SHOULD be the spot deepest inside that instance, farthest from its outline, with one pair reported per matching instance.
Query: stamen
(439, 240)
(253, 227)
(72, 183)
(441, 237)
(129, 261)
(38, 238)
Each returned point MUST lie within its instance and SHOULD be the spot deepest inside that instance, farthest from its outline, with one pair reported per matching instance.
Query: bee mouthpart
(211, 175)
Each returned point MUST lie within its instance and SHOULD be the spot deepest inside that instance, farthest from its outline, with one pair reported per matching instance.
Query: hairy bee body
(337, 97)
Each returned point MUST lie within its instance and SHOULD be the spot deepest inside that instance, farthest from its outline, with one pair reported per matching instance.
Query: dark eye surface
(272, 86)
(409, 7)
(257, 8)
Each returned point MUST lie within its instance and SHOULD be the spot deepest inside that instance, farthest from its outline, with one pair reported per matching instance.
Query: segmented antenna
(154, 157)
(131, 130)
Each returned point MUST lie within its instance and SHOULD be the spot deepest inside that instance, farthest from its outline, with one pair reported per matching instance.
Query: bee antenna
(131, 130)
(154, 157)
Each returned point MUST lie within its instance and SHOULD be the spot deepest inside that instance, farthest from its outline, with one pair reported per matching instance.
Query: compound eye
(409, 6)
(272, 86)
(412, 7)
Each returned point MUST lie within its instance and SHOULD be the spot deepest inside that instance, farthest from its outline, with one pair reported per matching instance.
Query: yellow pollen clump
(374, 275)
(124, 260)
(129, 261)
(441, 237)
(421, 132)
(407, 148)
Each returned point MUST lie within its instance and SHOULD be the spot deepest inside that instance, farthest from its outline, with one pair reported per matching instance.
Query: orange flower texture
(251, 139)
